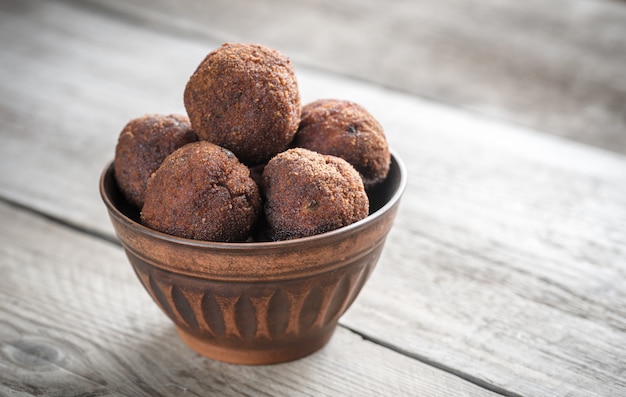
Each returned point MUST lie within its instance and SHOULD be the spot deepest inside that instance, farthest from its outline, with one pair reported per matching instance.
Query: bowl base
(271, 355)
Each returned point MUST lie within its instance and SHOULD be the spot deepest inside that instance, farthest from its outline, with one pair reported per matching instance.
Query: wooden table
(503, 275)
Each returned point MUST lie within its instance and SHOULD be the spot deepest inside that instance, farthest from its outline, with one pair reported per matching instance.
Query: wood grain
(555, 66)
(501, 267)
(76, 321)
(507, 248)
(70, 81)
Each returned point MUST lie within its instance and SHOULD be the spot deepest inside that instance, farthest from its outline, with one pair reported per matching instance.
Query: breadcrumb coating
(142, 146)
(308, 193)
(245, 97)
(345, 129)
(202, 192)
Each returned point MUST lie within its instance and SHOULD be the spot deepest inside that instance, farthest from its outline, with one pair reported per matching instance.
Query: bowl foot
(267, 355)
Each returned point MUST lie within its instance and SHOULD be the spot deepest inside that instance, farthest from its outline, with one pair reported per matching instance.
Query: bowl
(256, 302)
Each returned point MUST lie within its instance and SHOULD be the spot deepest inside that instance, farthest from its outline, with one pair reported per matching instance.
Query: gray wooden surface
(556, 66)
(503, 275)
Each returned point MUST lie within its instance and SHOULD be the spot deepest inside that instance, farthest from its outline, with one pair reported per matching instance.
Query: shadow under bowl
(256, 302)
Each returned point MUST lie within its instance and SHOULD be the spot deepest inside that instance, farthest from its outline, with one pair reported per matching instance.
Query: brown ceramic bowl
(256, 302)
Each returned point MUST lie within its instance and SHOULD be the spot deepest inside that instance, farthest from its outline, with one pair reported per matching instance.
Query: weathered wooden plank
(508, 247)
(76, 321)
(70, 80)
(508, 242)
(556, 66)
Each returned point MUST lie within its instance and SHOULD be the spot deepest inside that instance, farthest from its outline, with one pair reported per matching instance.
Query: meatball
(142, 146)
(345, 129)
(245, 97)
(309, 193)
(202, 192)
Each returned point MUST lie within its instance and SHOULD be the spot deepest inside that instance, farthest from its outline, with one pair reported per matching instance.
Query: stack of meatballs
(248, 162)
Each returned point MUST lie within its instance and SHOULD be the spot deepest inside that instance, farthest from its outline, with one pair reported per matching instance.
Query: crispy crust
(142, 146)
(202, 192)
(245, 97)
(345, 129)
(309, 193)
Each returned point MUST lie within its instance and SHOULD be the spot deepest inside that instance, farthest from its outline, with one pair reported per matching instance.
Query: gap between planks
(65, 223)
(435, 364)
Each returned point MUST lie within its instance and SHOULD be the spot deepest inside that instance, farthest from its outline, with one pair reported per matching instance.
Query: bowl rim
(257, 245)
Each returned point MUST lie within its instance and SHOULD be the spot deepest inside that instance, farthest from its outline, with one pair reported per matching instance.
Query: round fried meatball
(345, 129)
(202, 192)
(309, 193)
(142, 146)
(245, 97)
